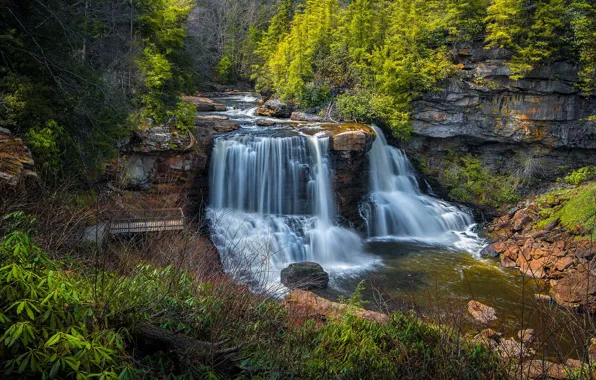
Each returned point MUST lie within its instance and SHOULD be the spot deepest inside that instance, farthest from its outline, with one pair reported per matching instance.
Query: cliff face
(483, 111)
(171, 161)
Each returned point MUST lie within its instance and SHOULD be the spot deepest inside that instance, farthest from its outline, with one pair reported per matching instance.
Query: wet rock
(542, 369)
(543, 297)
(488, 337)
(302, 116)
(306, 275)
(16, 163)
(265, 122)
(511, 349)
(203, 104)
(527, 336)
(490, 251)
(481, 312)
(275, 108)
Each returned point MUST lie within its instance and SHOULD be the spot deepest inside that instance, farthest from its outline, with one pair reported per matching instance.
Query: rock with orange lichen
(16, 163)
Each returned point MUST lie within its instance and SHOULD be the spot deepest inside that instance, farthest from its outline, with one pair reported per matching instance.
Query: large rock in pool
(304, 276)
(275, 108)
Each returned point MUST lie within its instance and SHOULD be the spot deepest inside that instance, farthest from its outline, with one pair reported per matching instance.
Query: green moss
(575, 208)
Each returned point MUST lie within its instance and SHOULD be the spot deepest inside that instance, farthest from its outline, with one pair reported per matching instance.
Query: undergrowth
(76, 319)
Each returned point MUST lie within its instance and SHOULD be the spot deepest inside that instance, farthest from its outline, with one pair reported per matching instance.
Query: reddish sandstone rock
(305, 305)
(576, 289)
(511, 349)
(488, 337)
(481, 312)
(527, 335)
(542, 369)
(519, 221)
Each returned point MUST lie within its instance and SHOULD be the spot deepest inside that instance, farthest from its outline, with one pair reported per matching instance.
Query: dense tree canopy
(75, 76)
(380, 54)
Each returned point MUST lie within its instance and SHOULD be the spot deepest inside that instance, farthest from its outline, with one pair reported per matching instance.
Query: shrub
(50, 330)
(314, 95)
(581, 175)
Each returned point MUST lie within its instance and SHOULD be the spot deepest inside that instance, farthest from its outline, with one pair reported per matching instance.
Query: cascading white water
(397, 208)
(272, 204)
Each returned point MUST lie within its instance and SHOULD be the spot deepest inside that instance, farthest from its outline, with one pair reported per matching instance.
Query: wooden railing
(137, 221)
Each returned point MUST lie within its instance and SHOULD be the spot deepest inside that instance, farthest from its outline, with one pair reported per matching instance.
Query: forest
(438, 152)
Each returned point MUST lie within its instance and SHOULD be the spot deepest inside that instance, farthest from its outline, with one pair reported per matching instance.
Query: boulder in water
(306, 275)
(275, 108)
(482, 313)
(303, 116)
(265, 122)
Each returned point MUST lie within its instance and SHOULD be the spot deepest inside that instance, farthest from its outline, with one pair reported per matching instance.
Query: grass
(575, 208)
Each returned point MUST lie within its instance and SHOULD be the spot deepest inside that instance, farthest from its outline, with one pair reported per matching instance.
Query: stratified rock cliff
(483, 111)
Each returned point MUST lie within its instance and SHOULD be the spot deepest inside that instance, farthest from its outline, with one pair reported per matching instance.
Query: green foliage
(354, 348)
(314, 95)
(469, 181)
(540, 32)
(363, 105)
(575, 208)
(581, 175)
(504, 23)
(50, 329)
(225, 69)
(385, 52)
(72, 73)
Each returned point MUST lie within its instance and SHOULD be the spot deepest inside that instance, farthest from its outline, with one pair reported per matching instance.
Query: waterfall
(272, 204)
(397, 208)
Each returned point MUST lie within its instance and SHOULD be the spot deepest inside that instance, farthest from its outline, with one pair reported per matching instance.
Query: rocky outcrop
(306, 275)
(167, 158)
(204, 104)
(548, 249)
(349, 145)
(17, 169)
(481, 312)
(275, 108)
(543, 117)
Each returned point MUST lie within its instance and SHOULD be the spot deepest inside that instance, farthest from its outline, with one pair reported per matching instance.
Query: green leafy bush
(314, 95)
(50, 329)
(581, 175)
(364, 105)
